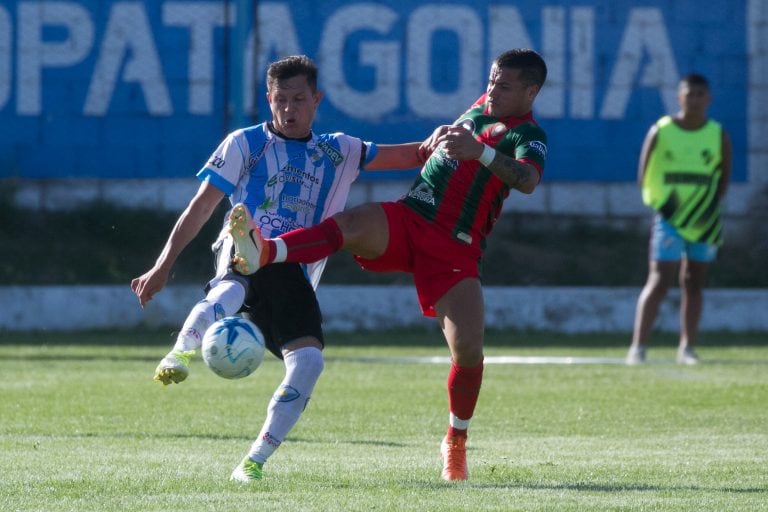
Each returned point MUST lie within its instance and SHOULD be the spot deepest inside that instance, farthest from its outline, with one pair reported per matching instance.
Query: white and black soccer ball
(233, 347)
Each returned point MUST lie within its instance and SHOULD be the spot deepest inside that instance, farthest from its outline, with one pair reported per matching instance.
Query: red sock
(308, 245)
(463, 390)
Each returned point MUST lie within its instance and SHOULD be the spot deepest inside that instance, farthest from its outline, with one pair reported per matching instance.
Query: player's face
(293, 106)
(507, 95)
(693, 99)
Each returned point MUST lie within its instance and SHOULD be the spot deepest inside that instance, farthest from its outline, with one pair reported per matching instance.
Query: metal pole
(243, 18)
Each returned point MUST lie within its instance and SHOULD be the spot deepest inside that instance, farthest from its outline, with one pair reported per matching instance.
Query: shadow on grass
(583, 487)
(216, 437)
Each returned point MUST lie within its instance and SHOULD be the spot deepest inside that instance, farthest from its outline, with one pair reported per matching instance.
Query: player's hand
(423, 153)
(431, 143)
(147, 285)
(458, 143)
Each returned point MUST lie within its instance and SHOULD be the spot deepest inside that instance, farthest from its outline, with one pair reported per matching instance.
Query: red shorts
(437, 260)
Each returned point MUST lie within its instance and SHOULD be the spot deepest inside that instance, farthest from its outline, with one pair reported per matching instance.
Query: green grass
(83, 427)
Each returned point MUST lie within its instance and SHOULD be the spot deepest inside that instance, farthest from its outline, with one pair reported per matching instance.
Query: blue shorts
(668, 245)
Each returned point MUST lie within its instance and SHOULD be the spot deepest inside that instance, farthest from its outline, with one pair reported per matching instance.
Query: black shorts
(280, 300)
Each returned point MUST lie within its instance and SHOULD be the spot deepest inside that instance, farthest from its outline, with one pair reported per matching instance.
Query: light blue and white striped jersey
(287, 183)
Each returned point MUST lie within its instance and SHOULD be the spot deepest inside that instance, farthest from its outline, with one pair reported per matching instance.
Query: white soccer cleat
(687, 356)
(174, 367)
(251, 250)
(636, 355)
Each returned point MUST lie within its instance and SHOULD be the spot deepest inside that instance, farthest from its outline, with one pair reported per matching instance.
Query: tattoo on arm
(512, 172)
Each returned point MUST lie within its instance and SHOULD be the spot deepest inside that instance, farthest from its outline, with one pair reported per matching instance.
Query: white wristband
(487, 156)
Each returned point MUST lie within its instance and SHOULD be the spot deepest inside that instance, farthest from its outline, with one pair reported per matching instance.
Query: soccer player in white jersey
(288, 177)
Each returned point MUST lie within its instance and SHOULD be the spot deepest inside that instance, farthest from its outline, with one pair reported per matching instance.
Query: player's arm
(726, 165)
(188, 225)
(649, 143)
(396, 156)
(517, 174)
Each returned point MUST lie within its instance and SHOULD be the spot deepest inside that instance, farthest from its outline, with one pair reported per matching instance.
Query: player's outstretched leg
(250, 248)
(174, 367)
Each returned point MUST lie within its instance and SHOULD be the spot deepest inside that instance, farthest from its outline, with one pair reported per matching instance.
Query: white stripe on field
(487, 360)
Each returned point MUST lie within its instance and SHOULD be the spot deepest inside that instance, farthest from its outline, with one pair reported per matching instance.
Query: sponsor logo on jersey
(464, 237)
(686, 178)
(440, 155)
(331, 151)
(293, 174)
(277, 224)
(498, 129)
(297, 204)
(538, 146)
(423, 193)
(290, 178)
(267, 204)
(217, 162)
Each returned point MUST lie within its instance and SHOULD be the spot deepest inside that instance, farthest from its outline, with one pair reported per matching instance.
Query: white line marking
(488, 360)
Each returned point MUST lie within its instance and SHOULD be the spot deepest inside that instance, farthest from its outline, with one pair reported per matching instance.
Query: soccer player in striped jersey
(285, 176)
(437, 231)
(684, 170)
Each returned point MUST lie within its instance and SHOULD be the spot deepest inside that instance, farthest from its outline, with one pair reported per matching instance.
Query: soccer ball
(233, 347)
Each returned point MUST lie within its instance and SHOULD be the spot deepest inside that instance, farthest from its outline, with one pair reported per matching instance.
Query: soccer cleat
(247, 471)
(686, 355)
(174, 367)
(636, 355)
(454, 453)
(251, 251)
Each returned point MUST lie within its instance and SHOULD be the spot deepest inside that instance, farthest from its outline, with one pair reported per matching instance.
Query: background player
(684, 170)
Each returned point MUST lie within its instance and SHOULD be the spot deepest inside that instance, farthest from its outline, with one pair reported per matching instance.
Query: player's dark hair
(694, 79)
(289, 67)
(533, 69)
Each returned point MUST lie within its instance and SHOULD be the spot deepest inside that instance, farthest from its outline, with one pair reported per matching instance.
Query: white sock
(457, 422)
(224, 299)
(302, 369)
(281, 250)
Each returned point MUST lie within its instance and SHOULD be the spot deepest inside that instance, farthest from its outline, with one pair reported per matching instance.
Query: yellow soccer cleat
(247, 471)
(174, 367)
(251, 250)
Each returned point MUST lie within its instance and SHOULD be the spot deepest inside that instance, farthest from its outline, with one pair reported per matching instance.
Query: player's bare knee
(364, 229)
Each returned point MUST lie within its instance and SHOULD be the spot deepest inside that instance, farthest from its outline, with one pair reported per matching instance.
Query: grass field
(84, 428)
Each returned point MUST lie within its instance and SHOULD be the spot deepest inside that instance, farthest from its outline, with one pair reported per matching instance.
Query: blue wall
(145, 89)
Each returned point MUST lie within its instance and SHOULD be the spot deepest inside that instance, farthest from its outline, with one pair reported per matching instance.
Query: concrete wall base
(350, 308)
